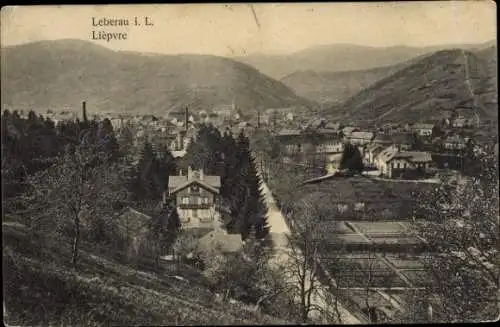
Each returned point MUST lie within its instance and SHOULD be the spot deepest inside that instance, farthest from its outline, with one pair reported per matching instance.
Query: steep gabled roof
(374, 147)
(387, 154)
(362, 135)
(177, 183)
(418, 156)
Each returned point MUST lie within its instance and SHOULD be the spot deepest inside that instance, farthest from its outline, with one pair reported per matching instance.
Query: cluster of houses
(394, 152)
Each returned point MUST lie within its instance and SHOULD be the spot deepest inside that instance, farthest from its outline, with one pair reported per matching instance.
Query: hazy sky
(280, 28)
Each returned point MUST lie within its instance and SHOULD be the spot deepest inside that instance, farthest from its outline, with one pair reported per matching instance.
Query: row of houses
(391, 155)
(392, 162)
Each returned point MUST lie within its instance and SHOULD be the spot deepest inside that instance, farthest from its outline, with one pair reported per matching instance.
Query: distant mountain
(341, 57)
(429, 89)
(336, 87)
(58, 74)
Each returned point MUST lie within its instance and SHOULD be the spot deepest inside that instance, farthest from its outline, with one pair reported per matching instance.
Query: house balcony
(195, 206)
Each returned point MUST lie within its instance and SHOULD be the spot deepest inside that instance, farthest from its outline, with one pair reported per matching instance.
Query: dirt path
(279, 231)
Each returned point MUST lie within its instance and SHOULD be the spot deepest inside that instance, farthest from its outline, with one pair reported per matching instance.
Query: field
(359, 198)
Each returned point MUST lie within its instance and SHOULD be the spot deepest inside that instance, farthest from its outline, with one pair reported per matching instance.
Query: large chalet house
(197, 199)
(393, 163)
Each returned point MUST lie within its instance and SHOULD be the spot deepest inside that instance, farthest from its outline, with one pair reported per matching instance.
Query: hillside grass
(41, 288)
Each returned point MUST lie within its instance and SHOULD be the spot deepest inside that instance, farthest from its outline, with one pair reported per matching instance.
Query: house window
(359, 206)
(185, 200)
(194, 213)
(342, 207)
(194, 189)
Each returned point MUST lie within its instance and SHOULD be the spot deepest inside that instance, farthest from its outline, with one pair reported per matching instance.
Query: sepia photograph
(250, 164)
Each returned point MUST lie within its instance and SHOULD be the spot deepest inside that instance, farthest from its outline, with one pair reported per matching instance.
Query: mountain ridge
(433, 87)
(62, 73)
(342, 57)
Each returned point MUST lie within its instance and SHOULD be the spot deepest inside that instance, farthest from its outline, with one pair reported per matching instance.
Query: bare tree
(72, 192)
(462, 233)
(301, 265)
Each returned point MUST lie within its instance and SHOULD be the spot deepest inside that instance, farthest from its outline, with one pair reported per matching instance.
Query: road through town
(279, 231)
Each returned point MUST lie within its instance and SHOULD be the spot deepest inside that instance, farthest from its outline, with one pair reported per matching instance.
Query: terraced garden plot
(419, 278)
(359, 297)
(343, 238)
(362, 272)
(400, 263)
(377, 227)
(391, 239)
(329, 227)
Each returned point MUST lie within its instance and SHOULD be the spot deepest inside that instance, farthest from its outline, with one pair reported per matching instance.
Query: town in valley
(340, 184)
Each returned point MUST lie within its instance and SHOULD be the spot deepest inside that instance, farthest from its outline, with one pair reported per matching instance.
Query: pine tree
(351, 159)
(146, 184)
(253, 213)
(162, 231)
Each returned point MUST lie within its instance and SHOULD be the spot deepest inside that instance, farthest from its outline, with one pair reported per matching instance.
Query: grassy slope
(59, 74)
(430, 88)
(41, 289)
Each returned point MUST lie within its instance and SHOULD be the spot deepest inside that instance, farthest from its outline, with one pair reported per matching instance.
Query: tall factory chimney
(186, 118)
(84, 111)
(258, 119)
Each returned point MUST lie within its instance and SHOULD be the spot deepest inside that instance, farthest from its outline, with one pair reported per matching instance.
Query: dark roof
(176, 183)
(382, 138)
(402, 138)
(417, 156)
(132, 220)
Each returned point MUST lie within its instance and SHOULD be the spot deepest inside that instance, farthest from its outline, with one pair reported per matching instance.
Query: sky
(240, 29)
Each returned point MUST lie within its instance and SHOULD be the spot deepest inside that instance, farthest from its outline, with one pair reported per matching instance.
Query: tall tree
(146, 183)
(351, 159)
